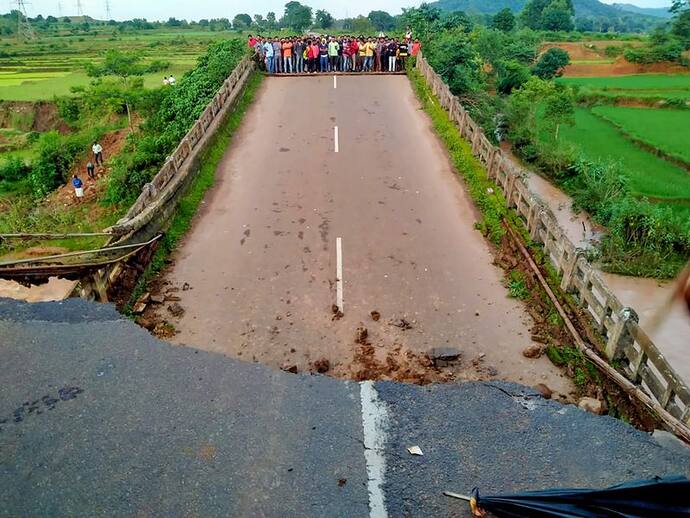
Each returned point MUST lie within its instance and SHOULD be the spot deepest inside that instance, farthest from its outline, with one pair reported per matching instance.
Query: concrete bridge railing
(158, 199)
(627, 344)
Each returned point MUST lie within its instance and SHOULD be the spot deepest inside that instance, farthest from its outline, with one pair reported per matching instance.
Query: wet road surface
(261, 257)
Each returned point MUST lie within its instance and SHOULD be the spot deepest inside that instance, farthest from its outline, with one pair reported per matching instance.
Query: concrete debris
(172, 298)
(322, 366)
(592, 405)
(533, 351)
(375, 316)
(186, 287)
(402, 324)
(176, 310)
(361, 335)
(158, 299)
(545, 391)
(415, 450)
(289, 368)
(444, 356)
(139, 308)
(144, 299)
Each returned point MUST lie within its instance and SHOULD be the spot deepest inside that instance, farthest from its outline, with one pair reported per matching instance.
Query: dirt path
(256, 276)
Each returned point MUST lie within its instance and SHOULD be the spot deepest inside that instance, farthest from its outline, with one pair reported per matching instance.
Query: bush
(13, 169)
(551, 63)
(176, 111)
(613, 51)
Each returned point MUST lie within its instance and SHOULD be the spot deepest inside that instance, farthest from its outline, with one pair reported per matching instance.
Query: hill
(582, 7)
(659, 12)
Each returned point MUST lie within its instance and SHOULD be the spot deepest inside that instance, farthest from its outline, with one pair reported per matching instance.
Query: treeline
(546, 15)
(506, 83)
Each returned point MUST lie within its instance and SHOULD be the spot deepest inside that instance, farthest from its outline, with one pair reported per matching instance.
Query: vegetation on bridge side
(189, 204)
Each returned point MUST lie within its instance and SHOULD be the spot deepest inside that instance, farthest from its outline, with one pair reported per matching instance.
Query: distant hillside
(582, 7)
(659, 12)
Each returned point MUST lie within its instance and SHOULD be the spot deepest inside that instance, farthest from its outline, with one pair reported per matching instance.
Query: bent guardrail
(626, 342)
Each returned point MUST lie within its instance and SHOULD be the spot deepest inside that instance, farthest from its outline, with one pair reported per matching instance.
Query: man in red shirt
(416, 47)
(251, 42)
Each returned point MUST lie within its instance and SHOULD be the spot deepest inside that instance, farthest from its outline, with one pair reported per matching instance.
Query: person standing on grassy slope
(97, 153)
(90, 170)
(78, 186)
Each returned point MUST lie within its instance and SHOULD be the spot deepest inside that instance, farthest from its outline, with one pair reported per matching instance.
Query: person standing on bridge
(403, 52)
(278, 56)
(313, 56)
(347, 55)
(416, 47)
(333, 54)
(392, 49)
(287, 56)
(268, 52)
(380, 45)
(354, 52)
(339, 63)
(298, 50)
(323, 56)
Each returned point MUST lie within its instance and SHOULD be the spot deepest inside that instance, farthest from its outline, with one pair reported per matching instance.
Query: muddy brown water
(260, 260)
(643, 295)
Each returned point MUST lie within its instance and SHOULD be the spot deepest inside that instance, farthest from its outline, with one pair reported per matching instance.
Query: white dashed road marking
(374, 421)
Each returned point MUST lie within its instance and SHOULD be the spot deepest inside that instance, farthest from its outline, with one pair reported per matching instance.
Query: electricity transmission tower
(24, 29)
(80, 10)
(59, 9)
(107, 10)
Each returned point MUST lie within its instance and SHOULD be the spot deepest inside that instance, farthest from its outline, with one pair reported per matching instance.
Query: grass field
(666, 130)
(641, 86)
(649, 175)
(50, 66)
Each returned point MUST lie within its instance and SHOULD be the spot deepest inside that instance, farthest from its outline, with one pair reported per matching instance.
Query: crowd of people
(323, 54)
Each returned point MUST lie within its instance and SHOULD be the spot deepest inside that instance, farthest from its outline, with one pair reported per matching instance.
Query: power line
(24, 29)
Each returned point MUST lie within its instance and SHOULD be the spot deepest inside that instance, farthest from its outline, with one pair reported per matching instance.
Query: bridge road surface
(99, 418)
(261, 256)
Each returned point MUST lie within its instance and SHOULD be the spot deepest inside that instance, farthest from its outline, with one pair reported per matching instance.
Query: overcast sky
(195, 10)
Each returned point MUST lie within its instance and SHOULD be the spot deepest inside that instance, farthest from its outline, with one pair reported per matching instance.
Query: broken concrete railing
(158, 200)
(627, 344)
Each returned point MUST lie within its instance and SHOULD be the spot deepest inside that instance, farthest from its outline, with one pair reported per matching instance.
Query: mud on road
(256, 276)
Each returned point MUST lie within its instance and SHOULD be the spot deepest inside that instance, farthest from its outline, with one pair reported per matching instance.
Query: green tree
(362, 25)
(297, 16)
(511, 75)
(679, 5)
(681, 28)
(453, 57)
(271, 22)
(323, 19)
(530, 16)
(241, 21)
(381, 20)
(503, 20)
(551, 63)
(557, 17)
(123, 65)
(452, 20)
(420, 19)
(259, 22)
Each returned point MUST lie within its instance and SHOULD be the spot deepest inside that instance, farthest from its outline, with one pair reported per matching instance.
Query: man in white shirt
(97, 153)
(172, 80)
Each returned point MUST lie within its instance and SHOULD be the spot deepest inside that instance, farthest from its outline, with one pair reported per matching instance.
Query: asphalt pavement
(98, 418)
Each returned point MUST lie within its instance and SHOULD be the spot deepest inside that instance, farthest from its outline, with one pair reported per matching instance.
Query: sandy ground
(257, 273)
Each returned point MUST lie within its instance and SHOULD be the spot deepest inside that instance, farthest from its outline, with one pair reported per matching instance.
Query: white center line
(337, 145)
(335, 82)
(374, 419)
(339, 274)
